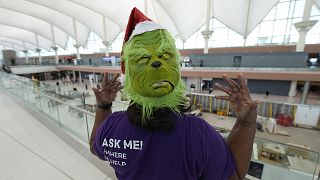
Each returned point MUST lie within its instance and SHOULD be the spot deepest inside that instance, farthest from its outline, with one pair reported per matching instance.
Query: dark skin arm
(241, 137)
(105, 95)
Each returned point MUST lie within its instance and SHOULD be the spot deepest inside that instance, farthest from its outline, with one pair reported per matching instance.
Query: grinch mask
(153, 72)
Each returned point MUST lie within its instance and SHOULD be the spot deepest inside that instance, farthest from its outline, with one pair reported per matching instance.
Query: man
(154, 139)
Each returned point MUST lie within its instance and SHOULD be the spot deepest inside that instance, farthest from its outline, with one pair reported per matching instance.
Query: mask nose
(156, 64)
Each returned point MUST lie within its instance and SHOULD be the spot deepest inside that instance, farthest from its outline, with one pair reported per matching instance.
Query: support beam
(53, 36)
(74, 76)
(146, 8)
(207, 33)
(78, 51)
(56, 54)
(38, 48)
(107, 45)
(105, 41)
(292, 90)
(305, 25)
(54, 46)
(77, 46)
(306, 88)
(26, 55)
(80, 77)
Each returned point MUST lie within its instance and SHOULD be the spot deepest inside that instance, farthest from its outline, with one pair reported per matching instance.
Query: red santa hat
(138, 23)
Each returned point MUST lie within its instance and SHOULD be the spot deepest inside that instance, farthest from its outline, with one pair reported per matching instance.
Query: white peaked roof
(53, 21)
(317, 4)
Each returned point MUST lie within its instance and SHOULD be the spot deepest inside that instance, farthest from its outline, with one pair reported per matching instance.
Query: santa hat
(138, 23)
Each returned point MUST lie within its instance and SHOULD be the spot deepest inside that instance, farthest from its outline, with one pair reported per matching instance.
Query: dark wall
(261, 86)
(274, 60)
(274, 87)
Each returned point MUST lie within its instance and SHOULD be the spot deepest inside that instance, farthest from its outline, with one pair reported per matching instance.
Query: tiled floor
(29, 151)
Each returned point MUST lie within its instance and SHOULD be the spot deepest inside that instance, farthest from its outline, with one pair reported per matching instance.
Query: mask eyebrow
(138, 53)
(166, 48)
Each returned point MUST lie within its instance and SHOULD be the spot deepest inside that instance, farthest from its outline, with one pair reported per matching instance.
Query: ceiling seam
(25, 30)
(54, 9)
(171, 19)
(95, 12)
(18, 39)
(58, 27)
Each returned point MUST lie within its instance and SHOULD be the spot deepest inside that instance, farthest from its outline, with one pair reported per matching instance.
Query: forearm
(101, 115)
(240, 141)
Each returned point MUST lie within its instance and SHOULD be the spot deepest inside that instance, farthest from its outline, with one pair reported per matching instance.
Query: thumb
(255, 104)
(95, 91)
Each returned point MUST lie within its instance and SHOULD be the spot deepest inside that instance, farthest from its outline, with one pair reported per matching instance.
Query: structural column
(107, 45)
(80, 77)
(74, 76)
(292, 90)
(38, 48)
(56, 54)
(26, 55)
(54, 47)
(305, 25)
(77, 46)
(207, 33)
(105, 41)
(78, 51)
(39, 55)
(306, 88)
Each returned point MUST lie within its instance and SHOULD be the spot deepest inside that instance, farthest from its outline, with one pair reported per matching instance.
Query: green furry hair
(173, 100)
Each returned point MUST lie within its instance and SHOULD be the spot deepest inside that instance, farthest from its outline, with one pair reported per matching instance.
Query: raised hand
(240, 99)
(108, 91)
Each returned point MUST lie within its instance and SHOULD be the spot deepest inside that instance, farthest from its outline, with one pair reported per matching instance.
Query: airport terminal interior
(53, 52)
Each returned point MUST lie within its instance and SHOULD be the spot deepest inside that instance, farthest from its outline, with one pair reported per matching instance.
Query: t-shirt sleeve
(219, 161)
(101, 134)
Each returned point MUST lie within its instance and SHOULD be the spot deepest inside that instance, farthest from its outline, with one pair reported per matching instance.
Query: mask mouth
(162, 84)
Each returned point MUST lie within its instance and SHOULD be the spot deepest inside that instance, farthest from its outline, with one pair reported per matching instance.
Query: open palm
(239, 97)
(108, 91)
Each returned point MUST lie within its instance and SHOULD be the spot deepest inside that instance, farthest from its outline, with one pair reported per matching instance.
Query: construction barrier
(285, 113)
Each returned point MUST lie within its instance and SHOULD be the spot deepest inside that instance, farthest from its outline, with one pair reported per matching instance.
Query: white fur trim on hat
(143, 27)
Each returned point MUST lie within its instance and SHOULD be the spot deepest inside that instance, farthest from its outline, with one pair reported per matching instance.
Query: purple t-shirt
(193, 150)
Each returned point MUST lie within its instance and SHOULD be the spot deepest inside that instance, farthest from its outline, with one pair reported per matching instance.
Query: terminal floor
(297, 135)
(28, 150)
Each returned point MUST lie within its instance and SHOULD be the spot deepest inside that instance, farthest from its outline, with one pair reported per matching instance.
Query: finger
(116, 84)
(120, 88)
(222, 97)
(243, 85)
(105, 79)
(234, 86)
(116, 89)
(115, 77)
(255, 104)
(95, 91)
(223, 88)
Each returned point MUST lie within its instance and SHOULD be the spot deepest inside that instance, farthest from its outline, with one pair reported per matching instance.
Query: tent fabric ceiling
(32, 24)
(107, 18)
(16, 42)
(12, 46)
(317, 3)
(24, 35)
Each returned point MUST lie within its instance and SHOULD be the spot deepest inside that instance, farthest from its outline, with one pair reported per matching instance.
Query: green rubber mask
(153, 72)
